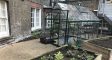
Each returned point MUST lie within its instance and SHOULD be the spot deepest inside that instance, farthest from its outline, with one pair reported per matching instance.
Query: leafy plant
(69, 53)
(50, 57)
(43, 58)
(73, 59)
(59, 56)
(36, 34)
(89, 57)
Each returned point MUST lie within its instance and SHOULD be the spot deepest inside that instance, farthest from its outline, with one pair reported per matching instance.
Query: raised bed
(105, 42)
(67, 53)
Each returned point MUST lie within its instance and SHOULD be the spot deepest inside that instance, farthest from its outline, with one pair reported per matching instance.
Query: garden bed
(67, 53)
(105, 42)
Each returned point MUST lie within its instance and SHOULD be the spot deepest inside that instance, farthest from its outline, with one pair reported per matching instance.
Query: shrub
(43, 58)
(73, 59)
(59, 56)
(36, 34)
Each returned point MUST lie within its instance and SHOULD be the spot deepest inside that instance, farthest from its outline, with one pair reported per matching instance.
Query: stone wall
(20, 18)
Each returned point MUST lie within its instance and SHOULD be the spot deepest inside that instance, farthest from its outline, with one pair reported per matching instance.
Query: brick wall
(43, 2)
(39, 1)
(20, 18)
(92, 4)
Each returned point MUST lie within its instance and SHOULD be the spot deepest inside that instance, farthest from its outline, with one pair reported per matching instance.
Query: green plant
(89, 57)
(36, 34)
(59, 56)
(43, 58)
(50, 57)
(69, 53)
(73, 59)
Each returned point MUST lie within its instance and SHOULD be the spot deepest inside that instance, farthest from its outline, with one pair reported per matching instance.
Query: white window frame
(48, 22)
(35, 19)
(5, 33)
(62, 0)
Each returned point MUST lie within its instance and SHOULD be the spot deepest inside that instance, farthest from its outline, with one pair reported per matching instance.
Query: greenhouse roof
(78, 13)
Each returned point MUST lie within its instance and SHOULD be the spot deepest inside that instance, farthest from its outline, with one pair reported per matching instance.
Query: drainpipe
(50, 3)
(66, 1)
(104, 7)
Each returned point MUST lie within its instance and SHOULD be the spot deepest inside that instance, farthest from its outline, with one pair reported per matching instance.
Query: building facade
(18, 18)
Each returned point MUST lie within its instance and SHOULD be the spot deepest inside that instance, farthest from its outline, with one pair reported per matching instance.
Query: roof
(45, 6)
(78, 12)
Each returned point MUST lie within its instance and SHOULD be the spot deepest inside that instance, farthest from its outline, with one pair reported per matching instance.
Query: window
(4, 30)
(35, 19)
(61, 0)
(48, 24)
(48, 21)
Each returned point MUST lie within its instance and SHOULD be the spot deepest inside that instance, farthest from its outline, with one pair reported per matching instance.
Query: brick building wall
(42, 2)
(45, 2)
(38, 1)
(91, 4)
(19, 18)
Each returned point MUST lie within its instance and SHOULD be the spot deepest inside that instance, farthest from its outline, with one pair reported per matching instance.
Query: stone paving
(24, 50)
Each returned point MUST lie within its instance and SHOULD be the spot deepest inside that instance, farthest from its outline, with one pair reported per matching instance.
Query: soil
(107, 43)
(68, 53)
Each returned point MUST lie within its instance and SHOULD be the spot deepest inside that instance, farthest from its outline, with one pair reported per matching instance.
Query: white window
(61, 0)
(48, 21)
(48, 24)
(35, 19)
(4, 29)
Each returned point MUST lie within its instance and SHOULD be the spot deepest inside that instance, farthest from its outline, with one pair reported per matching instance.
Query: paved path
(24, 50)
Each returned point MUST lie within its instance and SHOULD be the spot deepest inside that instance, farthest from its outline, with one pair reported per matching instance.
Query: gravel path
(24, 50)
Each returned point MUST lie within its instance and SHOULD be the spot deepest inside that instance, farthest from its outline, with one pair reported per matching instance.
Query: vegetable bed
(103, 42)
(67, 53)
